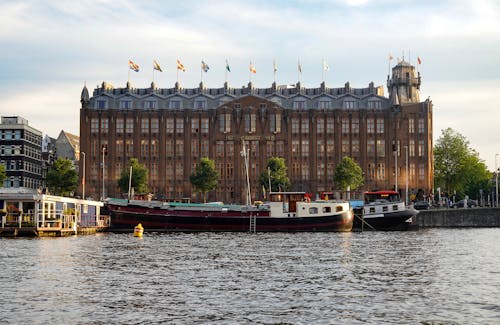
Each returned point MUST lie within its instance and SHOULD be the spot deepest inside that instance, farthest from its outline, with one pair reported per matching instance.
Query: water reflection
(226, 278)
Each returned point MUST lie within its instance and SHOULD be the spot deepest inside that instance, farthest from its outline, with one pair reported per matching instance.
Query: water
(435, 276)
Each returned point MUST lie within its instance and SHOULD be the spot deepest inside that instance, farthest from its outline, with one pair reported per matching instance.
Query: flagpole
(225, 74)
(201, 73)
(274, 70)
(177, 74)
(323, 71)
(153, 74)
(128, 80)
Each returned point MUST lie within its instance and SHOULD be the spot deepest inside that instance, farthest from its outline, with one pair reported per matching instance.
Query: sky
(50, 49)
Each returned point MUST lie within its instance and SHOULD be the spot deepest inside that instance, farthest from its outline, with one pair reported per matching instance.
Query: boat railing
(103, 221)
(57, 220)
(18, 220)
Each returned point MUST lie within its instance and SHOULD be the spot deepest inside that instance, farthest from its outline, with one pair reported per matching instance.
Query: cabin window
(339, 208)
(385, 209)
(395, 207)
(327, 209)
(372, 210)
(313, 210)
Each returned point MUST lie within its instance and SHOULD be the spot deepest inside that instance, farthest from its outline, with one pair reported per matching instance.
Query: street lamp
(83, 176)
(496, 180)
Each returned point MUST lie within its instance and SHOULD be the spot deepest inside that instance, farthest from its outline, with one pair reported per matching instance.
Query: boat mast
(244, 153)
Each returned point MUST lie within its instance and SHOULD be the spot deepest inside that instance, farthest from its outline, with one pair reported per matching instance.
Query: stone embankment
(473, 217)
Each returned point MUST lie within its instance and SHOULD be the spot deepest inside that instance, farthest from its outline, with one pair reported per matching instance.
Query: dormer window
(250, 122)
(150, 104)
(324, 104)
(174, 104)
(349, 104)
(299, 104)
(200, 104)
(374, 104)
(101, 104)
(125, 104)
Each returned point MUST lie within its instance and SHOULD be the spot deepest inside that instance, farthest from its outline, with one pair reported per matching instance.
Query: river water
(434, 276)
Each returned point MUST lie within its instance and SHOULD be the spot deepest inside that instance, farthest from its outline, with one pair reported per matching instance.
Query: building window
(195, 148)
(129, 148)
(275, 123)
(179, 125)
(329, 148)
(380, 126)
(320, 171)
(374, 104)
(345, 126)
(154, 126)
(355, 126)
(381, 148)
(349, 104)
(169, 148)
(295, 125)
(104, 125)
(370, 148)
(119, 148)
(345, 147)
(154, 148)
(179, 148)
(154, 171)
(420, 148)
(204, 148)
(412, 148)
(145, 125)
(269, 149)
(330, 126)
(305, 148)
(230, 149)
(370, 126)
(100, 104)
(421, 172)
(355, 148)
(305, 171)
(320, 125)
(195, 125)
(295, 148)
(225, 123)
(125, 104)
(280, 148)
(412, 171)
(324, 104)
(150, 104)
(304, 125)
(411, 125)
(174, 104)
(129, 125)
(200, 104)
(299, 104)
(421, 125)
(94, 126)
(250, 122)
(370, 172)
(320, 148)
(144, 148)
(169, 125)
(381, 171)
(119, 126)
(204, 125)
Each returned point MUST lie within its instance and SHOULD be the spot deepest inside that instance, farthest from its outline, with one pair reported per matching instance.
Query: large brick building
(170, 130)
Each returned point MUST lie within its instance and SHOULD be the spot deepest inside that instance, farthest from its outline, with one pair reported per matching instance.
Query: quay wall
(473, 217)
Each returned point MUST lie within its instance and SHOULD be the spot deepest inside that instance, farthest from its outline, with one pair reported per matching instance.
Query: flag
(204, 66)
(326, 67)
(252, 68)
(419, 60)
(180, 66)
(390, 57)
(156, 66)
(133, 66)
(275, 66)
(300, 67)
(227, 66)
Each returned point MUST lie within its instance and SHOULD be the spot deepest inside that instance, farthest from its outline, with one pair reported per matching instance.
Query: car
(461, 204)
(421, 205)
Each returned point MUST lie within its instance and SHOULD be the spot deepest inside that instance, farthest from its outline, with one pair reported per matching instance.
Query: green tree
(205, 177)
(62, 178)
(139, 179)
(3, 174)
(348, 175)
(279, 178)
(457, 167)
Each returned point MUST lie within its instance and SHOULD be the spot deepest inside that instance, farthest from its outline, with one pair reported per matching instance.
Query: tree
(348, 175)
(457, 167)
(139, 180)
(3, 174)
(279, 178)
(205, 177)
(62, 178)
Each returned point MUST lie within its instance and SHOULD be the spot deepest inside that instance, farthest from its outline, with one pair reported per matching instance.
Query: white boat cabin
(298, 204)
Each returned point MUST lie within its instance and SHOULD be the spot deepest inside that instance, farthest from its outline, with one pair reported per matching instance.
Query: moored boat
(285, 212)
(383, 210)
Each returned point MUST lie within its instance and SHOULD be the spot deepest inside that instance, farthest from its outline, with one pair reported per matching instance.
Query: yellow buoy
(138, 230)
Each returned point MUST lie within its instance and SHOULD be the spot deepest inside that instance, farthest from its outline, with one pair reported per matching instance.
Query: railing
(55, 221)
(103, 221)
(18, 220)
